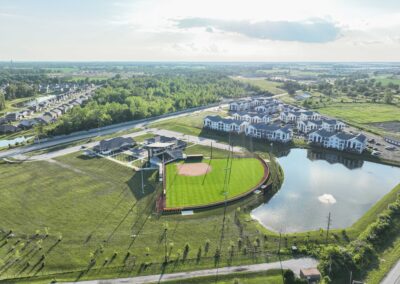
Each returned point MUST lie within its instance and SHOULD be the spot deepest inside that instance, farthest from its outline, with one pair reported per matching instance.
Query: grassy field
(263, 84)
(94, 209)
(205, 189)
(385, 80)
(363, 113)
(191, 125)
(206, 151)
(78, 218)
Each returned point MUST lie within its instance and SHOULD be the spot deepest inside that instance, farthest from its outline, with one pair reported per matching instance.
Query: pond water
(38, 100)
(5, 143)
(317, 183)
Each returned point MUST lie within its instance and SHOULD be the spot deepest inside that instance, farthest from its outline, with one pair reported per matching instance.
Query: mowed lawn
(362, 113)
(205, 189)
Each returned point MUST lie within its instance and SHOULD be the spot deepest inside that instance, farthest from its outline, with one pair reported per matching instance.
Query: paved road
(394, 275)
(101, 131)
(293, 264)
(195, 139)
(168, 133)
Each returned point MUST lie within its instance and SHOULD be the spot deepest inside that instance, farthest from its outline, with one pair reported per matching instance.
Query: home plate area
(193, 169)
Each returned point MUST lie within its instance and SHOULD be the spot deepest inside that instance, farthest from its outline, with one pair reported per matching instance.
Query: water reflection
(334, 158)
(312, 176)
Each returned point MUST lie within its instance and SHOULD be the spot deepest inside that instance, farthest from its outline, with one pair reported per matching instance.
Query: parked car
(378, 144)
(390, 148)
(375, 153)
(372, 140)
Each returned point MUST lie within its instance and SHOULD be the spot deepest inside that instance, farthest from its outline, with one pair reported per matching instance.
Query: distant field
(263, 84)
(387, 79)
(209, 188)
(362, 113)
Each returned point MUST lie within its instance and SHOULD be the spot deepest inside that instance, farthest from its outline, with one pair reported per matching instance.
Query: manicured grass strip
(182, 191)
(270, 276)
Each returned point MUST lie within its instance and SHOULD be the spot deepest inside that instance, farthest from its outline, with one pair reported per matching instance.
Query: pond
(5, 143)
(317, 183)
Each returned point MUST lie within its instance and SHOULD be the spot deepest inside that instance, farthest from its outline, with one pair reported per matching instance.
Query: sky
(200, 30)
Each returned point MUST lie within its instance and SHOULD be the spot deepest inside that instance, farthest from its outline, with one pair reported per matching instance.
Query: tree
(388, 97)
(2, 101)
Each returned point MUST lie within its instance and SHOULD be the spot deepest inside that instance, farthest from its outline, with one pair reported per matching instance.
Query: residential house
(251, 117)
(240, 105)
(268, 108)
(27, 123)
(8, 128)
(218, 123)
(341, 141)
(309, 115)
(307, 126)
(56, 112)
(290, 116)
(271, 132)
(13, 116)
(332, 125)
(45, 119)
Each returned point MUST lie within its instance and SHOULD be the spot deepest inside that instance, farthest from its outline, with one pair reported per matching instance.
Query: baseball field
(190, 184)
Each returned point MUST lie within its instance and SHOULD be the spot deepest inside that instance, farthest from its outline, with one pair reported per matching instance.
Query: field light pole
(141, 171)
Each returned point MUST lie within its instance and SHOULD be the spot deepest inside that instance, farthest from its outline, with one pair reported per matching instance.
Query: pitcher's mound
(193, 169)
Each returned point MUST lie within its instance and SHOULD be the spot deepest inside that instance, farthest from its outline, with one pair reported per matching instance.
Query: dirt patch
(65, 166)
(391, 126)
(193, 169)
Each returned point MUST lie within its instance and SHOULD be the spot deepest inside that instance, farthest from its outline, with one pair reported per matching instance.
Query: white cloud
(146, 30)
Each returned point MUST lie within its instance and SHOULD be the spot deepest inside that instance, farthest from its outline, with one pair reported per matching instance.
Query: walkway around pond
(294, 264)
(393, 276)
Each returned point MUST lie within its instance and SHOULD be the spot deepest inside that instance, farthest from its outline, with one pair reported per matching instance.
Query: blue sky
(207, 30)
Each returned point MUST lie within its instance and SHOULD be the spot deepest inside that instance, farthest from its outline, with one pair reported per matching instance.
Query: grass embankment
(183, 191)
(389, 254)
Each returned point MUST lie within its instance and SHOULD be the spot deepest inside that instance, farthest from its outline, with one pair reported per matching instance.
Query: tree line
(139, 97)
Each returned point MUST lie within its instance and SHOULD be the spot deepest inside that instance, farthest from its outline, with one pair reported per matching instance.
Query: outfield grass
(206, 151)
(182, 191)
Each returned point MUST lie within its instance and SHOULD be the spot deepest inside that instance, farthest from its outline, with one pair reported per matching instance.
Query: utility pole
(165, 244)
(328, 226)
(279, 255)
(141, 171)
(211, 151)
